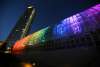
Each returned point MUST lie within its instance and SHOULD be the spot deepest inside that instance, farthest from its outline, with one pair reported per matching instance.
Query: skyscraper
(21, 28)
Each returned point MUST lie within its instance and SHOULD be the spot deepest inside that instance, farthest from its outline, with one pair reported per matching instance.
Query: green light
(28, 23)
(39, 36)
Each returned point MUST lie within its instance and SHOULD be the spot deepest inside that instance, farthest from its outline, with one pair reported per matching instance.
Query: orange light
(27, 65)
(19, 46)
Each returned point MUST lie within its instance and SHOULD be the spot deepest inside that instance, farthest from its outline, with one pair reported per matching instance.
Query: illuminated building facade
(78, 30)
(40, 36)
(36, 39)
(22, 27)
(88, 20)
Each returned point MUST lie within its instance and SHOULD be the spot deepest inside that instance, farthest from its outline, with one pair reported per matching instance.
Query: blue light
(75, 24)
(68, 26)
(60, 30)
(82, 22)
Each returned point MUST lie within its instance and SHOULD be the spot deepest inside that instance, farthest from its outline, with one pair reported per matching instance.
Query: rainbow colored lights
(32, 39)
(83, 22)
(20, 45)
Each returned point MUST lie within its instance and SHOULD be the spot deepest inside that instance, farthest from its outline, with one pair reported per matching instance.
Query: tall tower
(22, 27)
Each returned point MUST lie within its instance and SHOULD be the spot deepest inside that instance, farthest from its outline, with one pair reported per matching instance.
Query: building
(22, 27)
(78, 31)
(75, 31)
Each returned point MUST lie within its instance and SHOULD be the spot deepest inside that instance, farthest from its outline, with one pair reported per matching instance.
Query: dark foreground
(75, 57)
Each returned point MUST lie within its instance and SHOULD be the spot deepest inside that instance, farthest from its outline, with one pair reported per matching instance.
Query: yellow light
(27, 65)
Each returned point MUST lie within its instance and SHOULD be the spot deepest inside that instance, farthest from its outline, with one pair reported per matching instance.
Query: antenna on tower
(29, 3)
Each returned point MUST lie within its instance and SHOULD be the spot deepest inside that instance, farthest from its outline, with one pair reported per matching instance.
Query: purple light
(97, 7)
(93, 11)
(89, 13)
(71, 20)
(85, 21)
(69, 25)
(75, 24)
(66, 21)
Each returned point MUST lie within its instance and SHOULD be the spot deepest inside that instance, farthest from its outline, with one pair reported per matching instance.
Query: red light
(20, 45)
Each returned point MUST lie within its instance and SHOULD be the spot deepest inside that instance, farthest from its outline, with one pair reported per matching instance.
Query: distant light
(17, 30)
(30, 6)
(8, 48)
(27, 65)
(34, 64)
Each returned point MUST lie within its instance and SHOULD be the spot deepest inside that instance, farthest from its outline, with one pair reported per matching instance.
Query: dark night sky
(49, 12)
